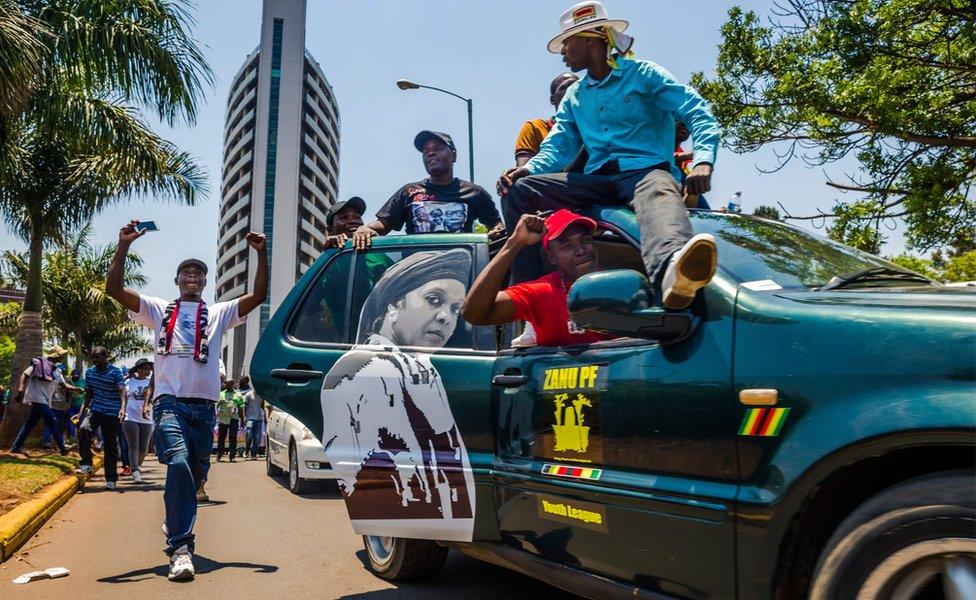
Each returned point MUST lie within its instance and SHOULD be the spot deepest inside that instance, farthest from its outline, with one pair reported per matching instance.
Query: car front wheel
(916, 540)
(296, 485)
(401, 559)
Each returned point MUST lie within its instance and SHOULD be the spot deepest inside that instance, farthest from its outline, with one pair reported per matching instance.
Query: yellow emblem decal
(570, 427)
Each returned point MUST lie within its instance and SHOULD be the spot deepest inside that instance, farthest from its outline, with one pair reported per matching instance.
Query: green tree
(81, 143)
(920, 265)
(961, 268)
(77, 311)
(891, 83)
(766, 212)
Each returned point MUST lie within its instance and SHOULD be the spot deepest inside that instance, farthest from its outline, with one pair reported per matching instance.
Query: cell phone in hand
(146, 226)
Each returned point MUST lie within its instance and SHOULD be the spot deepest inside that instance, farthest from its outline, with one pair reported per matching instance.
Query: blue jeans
(61, 416)
(252, 437)
(38, 412)
(184, 439)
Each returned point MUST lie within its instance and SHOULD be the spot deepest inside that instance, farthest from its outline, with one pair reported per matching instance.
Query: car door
(619, 457)
(407, 409)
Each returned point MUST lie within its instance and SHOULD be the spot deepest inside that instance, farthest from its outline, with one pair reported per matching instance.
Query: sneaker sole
(692, 272)
(181, 576)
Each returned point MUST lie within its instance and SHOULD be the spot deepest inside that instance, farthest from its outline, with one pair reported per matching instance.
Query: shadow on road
(322, 489)
(203, 566)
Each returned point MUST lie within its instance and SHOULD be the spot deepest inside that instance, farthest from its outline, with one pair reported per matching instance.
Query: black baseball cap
(192, 261)
(355, 202)
(139, 363)
(423, 136)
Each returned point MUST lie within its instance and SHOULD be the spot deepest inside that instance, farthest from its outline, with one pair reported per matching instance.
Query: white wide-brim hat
(583, 17)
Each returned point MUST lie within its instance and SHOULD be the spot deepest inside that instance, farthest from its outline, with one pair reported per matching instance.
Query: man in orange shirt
(533, 132)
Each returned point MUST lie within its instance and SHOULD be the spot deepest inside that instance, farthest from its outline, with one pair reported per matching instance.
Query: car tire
(296, 485)
(272, 469)
(402, 559)
(911, 540)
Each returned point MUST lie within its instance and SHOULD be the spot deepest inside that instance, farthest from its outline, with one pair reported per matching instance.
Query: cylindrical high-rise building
(280, 169)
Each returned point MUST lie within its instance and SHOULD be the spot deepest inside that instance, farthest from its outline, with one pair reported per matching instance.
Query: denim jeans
(652, 193)
(64, 424)
(109, 426)
(184, 438)
(38, 412)
(252, 437)
(123, 446)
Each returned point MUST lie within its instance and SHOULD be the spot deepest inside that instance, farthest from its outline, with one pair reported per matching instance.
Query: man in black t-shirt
(440, 203)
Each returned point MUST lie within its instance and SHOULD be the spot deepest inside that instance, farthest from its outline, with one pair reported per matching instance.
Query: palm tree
(78, 313)
(80, 143)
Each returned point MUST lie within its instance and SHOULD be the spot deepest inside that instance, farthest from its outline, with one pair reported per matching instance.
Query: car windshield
(753, 250)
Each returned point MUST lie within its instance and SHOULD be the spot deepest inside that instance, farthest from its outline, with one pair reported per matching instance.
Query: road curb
(18, 525)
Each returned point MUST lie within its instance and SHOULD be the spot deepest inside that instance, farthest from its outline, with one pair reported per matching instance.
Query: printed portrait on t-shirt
(388, 428)
(437, 217)
(186, 326)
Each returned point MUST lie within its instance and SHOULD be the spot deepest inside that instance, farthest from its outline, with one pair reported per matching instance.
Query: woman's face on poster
(428, 315)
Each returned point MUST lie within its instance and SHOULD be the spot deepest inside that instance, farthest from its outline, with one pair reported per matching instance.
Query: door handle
(299, 375)
(509, 381)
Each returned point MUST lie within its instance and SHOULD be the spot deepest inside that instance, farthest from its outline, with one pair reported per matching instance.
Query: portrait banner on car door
(388, 429)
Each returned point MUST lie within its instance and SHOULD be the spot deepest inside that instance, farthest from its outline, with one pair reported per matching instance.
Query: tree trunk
(29, 340)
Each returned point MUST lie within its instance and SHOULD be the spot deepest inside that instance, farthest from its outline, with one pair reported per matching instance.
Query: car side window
(322, 315)
(412, 297)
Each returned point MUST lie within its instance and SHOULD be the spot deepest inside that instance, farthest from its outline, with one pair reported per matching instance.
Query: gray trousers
(652, 193)
(137, 436)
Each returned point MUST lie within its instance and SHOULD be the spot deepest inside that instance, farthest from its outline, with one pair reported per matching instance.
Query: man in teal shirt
(622, 112)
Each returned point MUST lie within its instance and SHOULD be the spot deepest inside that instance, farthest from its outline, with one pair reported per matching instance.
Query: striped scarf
(618, 44)
(164, 344)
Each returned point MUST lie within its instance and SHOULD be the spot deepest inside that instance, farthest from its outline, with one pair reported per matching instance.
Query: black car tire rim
(916, 569)
(380, 549)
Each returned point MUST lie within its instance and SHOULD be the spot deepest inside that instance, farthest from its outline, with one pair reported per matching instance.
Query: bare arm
(116, 270)
(21, 387)
(485, 303)
(253, 300)
(88, 398)
(123, 397)
(361, 239)
(523, 158)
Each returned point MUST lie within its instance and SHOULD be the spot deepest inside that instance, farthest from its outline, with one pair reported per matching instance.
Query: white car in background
(293, 448)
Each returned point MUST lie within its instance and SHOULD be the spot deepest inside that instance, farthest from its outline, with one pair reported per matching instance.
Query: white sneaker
(83, 469)
(690, 269)
(136, 477)
(527, 339)
(181, 565)
(109, 485)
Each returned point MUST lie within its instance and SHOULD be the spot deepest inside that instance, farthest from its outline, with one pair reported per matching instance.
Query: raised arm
(116, 270)
(253, 300)
(485, 303)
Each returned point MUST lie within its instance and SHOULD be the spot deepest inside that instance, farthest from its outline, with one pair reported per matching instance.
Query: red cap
(557, 222)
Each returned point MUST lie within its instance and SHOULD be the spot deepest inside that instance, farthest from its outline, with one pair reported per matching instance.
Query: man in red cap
(567, 240)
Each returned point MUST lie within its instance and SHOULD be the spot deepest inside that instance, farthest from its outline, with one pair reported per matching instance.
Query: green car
(805, 430)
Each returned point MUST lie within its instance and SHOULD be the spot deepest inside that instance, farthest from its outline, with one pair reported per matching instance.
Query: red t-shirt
(543, 303)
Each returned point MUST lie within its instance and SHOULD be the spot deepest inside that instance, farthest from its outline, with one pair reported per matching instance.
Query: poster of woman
(389, 432)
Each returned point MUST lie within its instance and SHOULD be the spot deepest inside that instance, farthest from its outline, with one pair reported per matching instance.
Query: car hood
(935, 297)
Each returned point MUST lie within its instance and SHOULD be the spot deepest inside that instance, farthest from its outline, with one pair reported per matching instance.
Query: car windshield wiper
(873, 274)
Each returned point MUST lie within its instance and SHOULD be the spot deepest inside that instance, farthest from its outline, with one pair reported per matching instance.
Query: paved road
(255, 540)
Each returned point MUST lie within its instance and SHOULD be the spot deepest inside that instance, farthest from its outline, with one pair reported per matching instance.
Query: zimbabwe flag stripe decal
(763, 422)
(573, 472)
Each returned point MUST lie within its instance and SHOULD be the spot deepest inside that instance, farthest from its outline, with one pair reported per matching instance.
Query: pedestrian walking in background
(253, 415)
(59, 406)
(186, 381)
(36, 387)
(230, 413)
(138, 424)
(102, 411)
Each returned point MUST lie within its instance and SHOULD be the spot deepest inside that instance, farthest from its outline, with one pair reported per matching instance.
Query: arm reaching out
(113, 281)
(485, 303)
(253, 300)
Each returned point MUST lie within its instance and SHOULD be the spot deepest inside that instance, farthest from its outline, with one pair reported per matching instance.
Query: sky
(491, 51)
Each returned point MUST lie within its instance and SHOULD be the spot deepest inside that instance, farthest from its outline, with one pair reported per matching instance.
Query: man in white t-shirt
(186, 379)
(37, 389)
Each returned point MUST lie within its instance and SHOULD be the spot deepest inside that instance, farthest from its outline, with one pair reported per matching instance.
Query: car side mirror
(620, 302)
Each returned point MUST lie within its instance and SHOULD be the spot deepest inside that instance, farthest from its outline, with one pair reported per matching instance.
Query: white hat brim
(556, 43)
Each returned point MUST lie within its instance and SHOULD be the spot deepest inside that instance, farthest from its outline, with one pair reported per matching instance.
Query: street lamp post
(405, 84)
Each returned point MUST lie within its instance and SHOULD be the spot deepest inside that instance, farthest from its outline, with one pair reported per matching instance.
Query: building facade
(280, 170)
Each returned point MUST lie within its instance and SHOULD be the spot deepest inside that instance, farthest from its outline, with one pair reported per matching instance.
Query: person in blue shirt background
(622, 111)
(105, 397)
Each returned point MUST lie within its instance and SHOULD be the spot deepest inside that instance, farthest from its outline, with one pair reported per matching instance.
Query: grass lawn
(21, 477)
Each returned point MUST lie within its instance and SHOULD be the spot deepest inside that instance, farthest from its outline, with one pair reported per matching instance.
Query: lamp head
(405, 84)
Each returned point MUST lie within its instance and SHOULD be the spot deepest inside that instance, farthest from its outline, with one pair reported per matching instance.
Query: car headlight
(307, 434)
